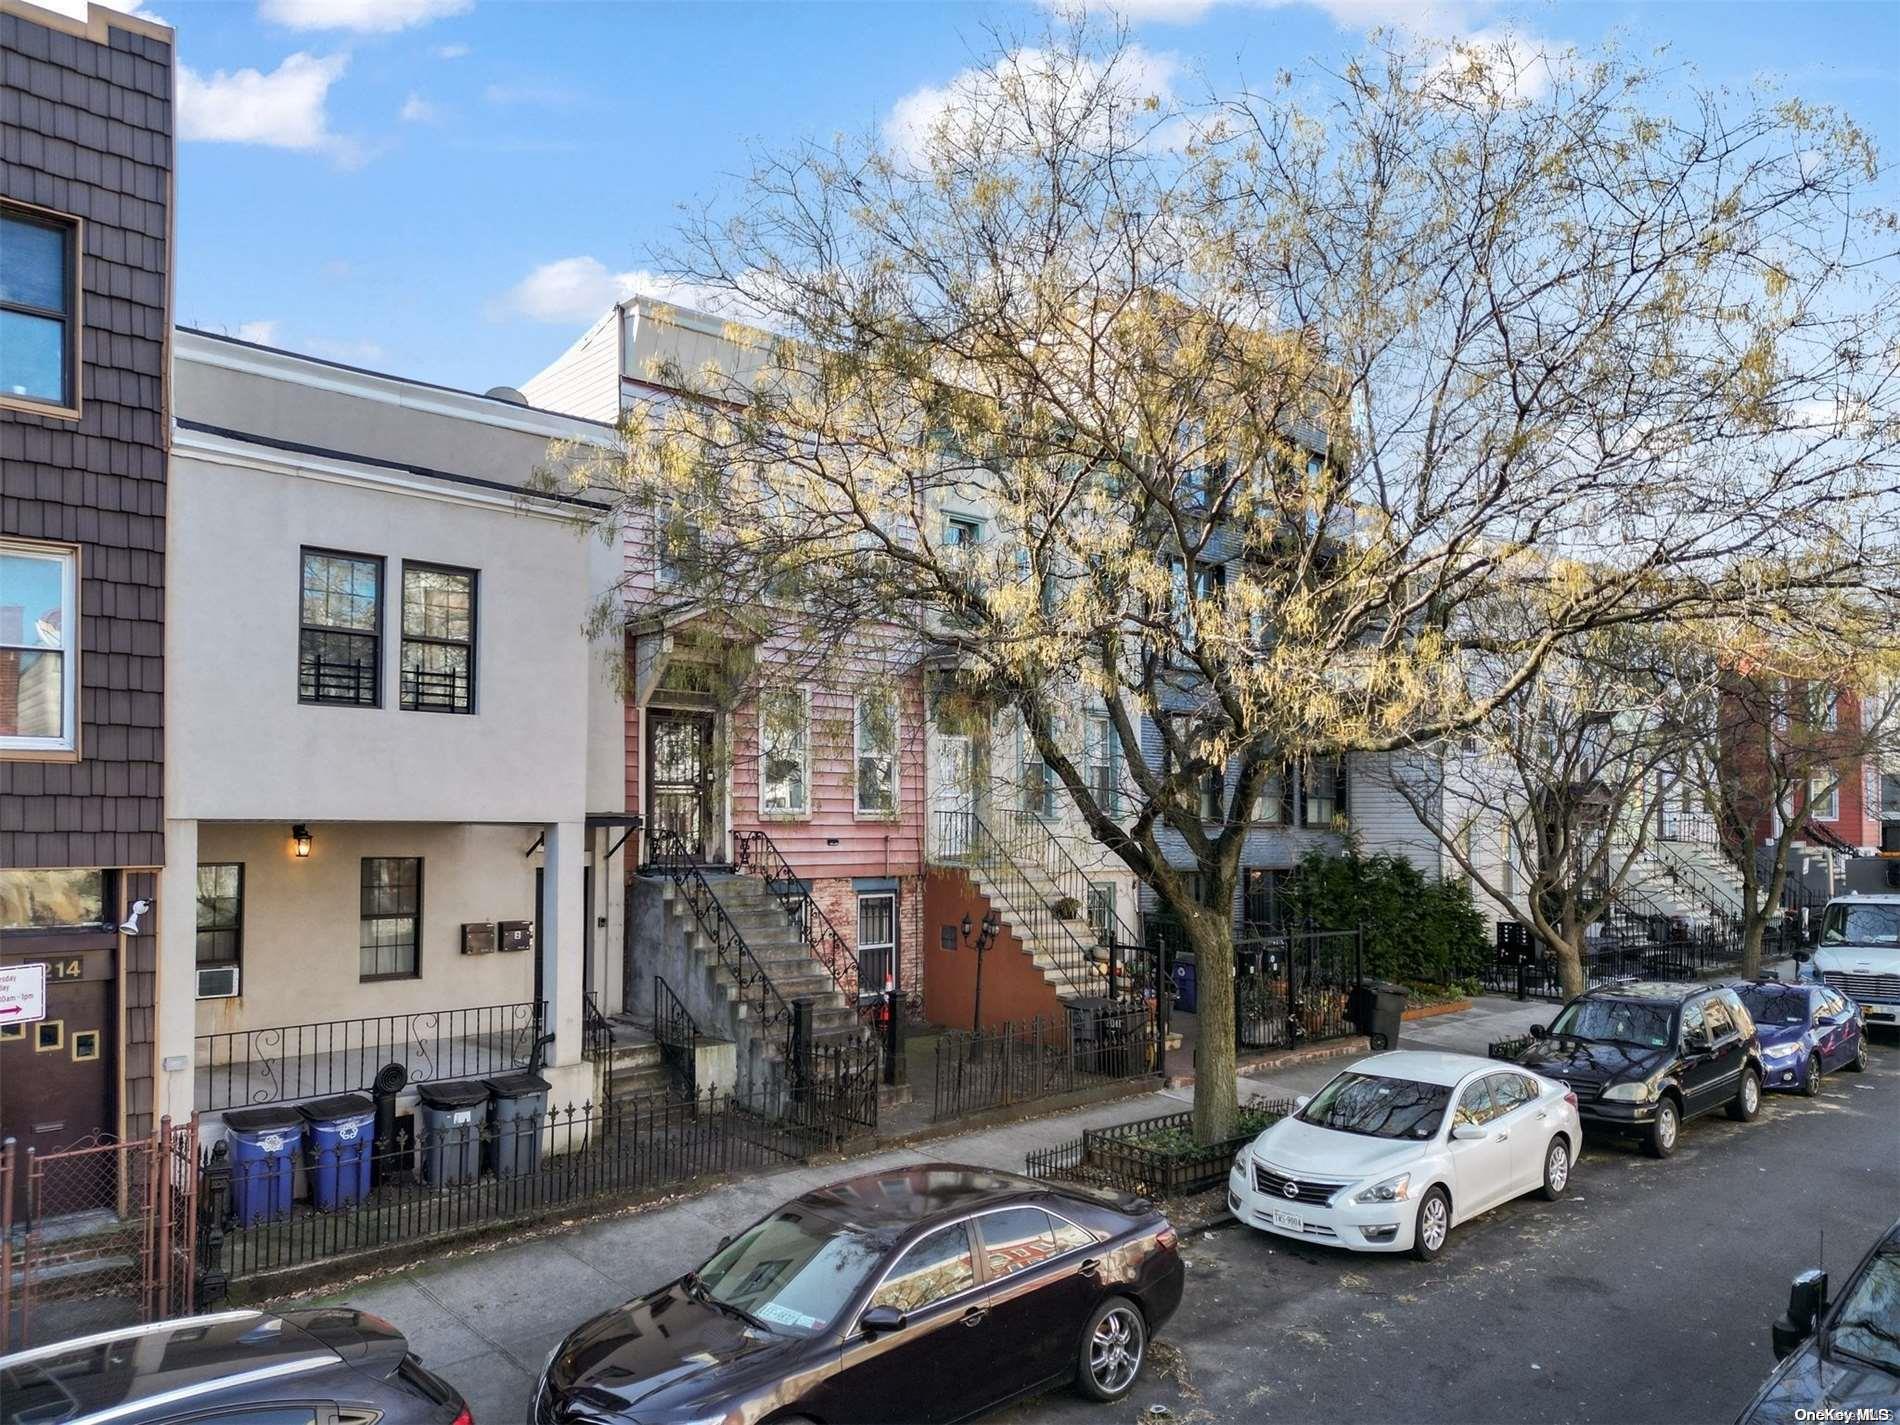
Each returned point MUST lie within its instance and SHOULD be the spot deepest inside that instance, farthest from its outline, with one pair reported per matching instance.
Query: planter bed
(1155, 1157)
(1510, 1048)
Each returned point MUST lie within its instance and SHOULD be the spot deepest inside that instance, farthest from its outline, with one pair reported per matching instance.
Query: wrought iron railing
(1025, 1060)
(1032, 843)
(756, 852)
(597, 1031)
(963, 839)
(322, 680)
(431, 690)
(672, 857)
(1695, 827)
(297, 1061)
(677, 1033)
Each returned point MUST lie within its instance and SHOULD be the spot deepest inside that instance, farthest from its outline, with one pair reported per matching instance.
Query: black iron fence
(297, 1061)
(274, 1214)
(1529, 972)
(1153, 1156)
(677, 1033)
(1026, 1060)
(1295, 985)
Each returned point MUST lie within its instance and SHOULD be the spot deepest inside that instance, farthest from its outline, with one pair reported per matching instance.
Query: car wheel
(1434, 1225)
(1811, 1085)
(1747, 1101)
(1663, 1131)
(1556, 1169)
(1113, 1347)
(1858, 1064)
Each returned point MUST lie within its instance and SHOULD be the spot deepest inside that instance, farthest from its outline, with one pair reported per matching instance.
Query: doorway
(680, 780)
(57, 1079)
(955, 796)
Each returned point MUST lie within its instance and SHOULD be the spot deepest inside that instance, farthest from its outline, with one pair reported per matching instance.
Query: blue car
(1807, 1030)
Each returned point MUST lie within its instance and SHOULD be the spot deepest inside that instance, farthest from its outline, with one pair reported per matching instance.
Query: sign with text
(22, 993)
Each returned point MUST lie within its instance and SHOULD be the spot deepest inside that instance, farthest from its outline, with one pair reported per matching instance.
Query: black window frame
(404, 638)
(1263, 891)
(72, 317)
(316, 698)
(365, 915)
(235, 929)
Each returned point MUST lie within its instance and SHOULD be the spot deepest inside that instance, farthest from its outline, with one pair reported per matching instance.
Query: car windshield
(1775, 1004)
(1616, 1021)
(1861, 925)
(794, 1271)
(1378, 1107)
(1868, 1324)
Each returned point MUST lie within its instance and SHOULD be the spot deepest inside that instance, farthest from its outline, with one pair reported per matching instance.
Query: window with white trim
(877, 941)
(784, 752)
(877, 753)
(1824, 797)
(39, 658)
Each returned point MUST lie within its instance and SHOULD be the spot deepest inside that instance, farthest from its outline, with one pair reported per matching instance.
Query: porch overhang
(658, 639)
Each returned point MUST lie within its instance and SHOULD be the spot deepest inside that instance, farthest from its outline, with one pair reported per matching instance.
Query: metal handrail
(1033, 830)
(677, 1033)
(756, 851)
(1077, 965)
(597, 1031)
(672, 856)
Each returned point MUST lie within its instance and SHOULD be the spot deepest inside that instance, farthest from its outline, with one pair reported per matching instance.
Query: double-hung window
(1263, 892)
(1824, 797)
(784, 753)
(39, 310)
(39, 659)
(1213, 795)
(1099, 752)
(339, 651)
(877, 941)
(438, 639)
(220, 913)
(1270, 805)
(391, 939)
(877, 754)
(1323, 793)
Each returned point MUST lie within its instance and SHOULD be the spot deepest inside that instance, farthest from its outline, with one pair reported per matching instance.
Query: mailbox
(517, 934)
(478, 938)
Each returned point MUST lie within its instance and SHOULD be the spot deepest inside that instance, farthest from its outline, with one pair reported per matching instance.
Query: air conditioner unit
(218, 982)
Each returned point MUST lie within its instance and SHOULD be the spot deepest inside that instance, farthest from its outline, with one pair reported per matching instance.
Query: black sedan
(932, 1293)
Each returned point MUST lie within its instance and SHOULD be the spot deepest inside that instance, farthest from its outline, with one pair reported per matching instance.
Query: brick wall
(86, 130)
(837, 897)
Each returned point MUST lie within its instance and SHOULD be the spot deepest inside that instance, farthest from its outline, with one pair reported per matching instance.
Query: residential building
(86, 225)
(396, 788)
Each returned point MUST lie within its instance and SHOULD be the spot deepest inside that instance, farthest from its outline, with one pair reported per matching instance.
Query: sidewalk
(486, 1318)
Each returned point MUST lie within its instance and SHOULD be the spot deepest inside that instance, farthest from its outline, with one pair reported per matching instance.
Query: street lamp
(992, 927)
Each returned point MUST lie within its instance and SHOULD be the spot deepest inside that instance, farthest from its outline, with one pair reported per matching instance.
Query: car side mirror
(1807, 1299)
(724, 1242)
(1301, 1101)
(881, 1320)
(1539, 1031)
(1468, 1132)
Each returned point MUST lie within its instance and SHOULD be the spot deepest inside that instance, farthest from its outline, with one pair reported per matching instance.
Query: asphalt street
(1644, 1296)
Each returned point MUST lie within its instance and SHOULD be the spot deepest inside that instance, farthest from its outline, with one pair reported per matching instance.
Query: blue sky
(450, 189)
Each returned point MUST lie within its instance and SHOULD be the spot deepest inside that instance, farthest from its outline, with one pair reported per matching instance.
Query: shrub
(1417, 928)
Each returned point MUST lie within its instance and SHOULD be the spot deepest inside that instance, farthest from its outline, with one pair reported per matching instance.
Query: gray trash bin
(517, 1107)
(453, 1116)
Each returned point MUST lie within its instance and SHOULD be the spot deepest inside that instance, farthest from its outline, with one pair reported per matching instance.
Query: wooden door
(57, 1075)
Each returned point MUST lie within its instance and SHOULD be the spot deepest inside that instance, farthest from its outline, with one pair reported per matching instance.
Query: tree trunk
(1753, 928)
(1216, 1097)
(1568, 951)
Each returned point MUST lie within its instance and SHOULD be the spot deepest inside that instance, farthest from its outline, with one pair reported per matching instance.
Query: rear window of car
(1776, 1004)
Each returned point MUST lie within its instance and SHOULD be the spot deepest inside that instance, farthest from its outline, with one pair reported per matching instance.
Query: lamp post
(985, 938)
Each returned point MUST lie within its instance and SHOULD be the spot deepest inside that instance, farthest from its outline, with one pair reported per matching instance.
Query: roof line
(296, 447)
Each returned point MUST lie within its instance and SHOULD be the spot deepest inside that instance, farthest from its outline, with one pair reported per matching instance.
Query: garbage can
(264, 1146)
(1381, 1012)
(517, 1107)
(452, 1114)
(338, 1146)
(1186, 981)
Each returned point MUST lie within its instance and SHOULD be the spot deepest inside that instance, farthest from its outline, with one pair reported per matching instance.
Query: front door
(955, 793)
(56, 1075)
(680, 779)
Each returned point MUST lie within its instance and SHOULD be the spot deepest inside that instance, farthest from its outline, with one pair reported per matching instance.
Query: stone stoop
(992, 888)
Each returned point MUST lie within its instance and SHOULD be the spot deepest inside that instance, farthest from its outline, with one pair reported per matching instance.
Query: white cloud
(1424, 16)
(977, 98)
(364, 16)
(578, 289)
(263, 333)
(456, 51)
(1509, 67)
(77, 9)
(417, 110)
(282, 109)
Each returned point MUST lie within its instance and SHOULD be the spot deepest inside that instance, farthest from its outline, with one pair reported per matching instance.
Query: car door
(1838, 1033)
(1516, 1100)
(1728, 1051)
(1481, 1167)
(1697, 1058)
(938, 1365)
(1043, 1287)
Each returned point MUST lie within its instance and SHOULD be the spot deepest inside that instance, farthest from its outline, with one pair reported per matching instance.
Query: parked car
(1643, 1057)
(1807, 1030)
(1397, 1150)
(931, 1293)
(1840, 1359)
(331, 1366)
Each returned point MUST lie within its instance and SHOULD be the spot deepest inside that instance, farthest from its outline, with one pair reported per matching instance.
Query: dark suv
(329, 1366)
(1643, 1056)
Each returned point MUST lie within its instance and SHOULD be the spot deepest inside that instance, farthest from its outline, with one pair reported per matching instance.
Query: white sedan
(1395, 1151)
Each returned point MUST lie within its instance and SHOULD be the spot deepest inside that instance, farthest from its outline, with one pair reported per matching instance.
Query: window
(1213, 794)
(1475, 1106)
(438, 639)
(1715, 1015)
(1509, 1091)
(961, 532)
(784, 753)
(45, 900)
(939, 1266)
(1824, 797)
(1271, 805)
(877, 941)
(1692, 1026)
(392, 918)
(39, 308)
(1016, 1239)
(877, 754)
(340, 646)
(220, 913)
(39, 661)
(1264, 900)
(1102, 909)
(1038, 778)
(1098, 752)
(1323, 793)
(1068, 1235)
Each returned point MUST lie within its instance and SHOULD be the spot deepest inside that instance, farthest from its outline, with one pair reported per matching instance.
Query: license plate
(1291, 1221)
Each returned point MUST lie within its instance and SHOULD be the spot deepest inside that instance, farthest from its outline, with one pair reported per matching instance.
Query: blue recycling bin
(264, 1146)
(1187, 982)
(339, 1144)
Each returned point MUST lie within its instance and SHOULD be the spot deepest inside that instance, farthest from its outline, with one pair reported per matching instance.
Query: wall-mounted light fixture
(300, 841)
